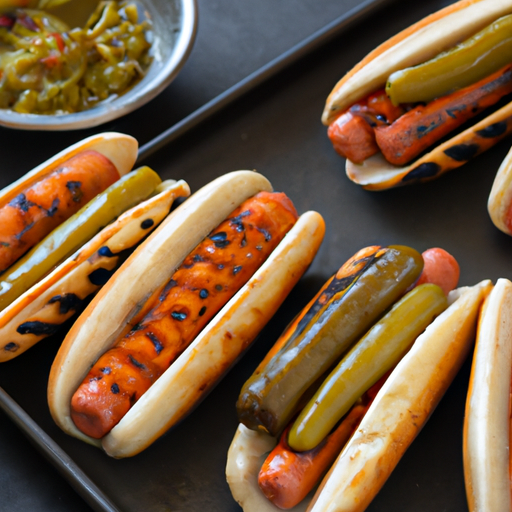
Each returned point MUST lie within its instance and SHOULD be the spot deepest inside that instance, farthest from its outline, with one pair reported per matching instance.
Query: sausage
(440, 268)
(352, 134)
(206, 280)
(424, 125)
(34, 212)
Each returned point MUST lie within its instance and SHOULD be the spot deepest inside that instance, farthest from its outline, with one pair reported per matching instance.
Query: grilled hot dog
(153, 331)
(398, 391)
(441, 72)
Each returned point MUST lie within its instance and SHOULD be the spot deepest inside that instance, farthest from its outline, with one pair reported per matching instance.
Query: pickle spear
(73, 233)
(465, 64)
(379, 350)
(270, 397)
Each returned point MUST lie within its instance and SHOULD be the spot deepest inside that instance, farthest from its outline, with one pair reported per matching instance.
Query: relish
(48, 68)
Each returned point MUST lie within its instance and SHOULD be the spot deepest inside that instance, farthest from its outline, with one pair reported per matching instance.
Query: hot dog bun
(399, 411)
(239, 321)
(487, 418)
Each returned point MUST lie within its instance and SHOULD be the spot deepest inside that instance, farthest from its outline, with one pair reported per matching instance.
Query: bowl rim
(109, 111)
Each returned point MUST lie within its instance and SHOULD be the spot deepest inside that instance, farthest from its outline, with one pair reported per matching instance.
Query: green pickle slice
(270, 398)
(380, 349)
(465, 64)
(128, 191)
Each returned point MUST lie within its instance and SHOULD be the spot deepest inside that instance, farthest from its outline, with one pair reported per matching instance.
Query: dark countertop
(276, 130)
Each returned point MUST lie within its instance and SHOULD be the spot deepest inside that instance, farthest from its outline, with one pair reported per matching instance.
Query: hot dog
(51, 281)
(487, 418)
(414, 89)
(398, 392)
(190, 240)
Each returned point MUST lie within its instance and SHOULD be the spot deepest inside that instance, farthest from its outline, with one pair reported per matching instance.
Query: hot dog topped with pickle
(227, 257)
(102, 211)
(427, 100)
(365, 363)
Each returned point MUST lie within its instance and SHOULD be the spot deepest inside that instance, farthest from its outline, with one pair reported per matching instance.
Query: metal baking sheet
(275, 129)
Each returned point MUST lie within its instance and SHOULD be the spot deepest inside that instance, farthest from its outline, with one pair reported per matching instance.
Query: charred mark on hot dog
(424, 170)
(114, 388)
(100, 276)
(136, 363)
(196, 292)
(28, 227)
(38, 328)
(67, 302)
(105, 251)
(75, 187)
(493, 130)
(21, 202)
(220, 239)
(11, 347)
(462, 152)
(156, 342)
(146, 224)
(168, 287)
(54, 208)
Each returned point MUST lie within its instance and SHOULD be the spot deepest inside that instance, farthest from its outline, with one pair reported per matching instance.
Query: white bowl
(174, 25)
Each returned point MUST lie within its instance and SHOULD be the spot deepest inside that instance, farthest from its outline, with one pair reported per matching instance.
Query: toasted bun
(487, 420)
(398, 412)
(71, 277)
(120, 149)
(418, 43)
(376, 173)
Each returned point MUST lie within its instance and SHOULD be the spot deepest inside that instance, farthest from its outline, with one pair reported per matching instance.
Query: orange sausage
(418, 129)
(286, 477)
(34, 213)
(440, 268)
(216, 269)
(352, 133)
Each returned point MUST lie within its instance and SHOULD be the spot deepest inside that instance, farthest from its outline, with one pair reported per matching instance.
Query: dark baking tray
(275, 129)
